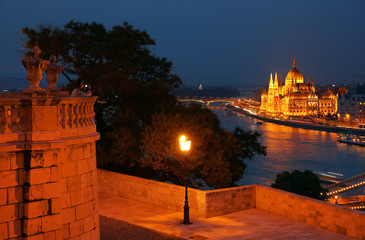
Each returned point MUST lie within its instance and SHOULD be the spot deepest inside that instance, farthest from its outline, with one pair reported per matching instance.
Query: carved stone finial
(52, 71)
(35, 51)
(34, 66)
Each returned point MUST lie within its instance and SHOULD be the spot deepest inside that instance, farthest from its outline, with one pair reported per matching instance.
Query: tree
(216, 155)
(304, 183)
(130, 82)
(136, 113)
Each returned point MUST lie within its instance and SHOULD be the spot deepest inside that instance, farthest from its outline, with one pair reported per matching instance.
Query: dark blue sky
(213, 42)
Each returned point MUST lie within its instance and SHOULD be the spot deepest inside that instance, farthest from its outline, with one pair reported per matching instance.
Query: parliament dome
(294, 76)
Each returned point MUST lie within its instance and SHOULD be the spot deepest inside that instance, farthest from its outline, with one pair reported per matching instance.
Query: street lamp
(185, 147)
(336, 199)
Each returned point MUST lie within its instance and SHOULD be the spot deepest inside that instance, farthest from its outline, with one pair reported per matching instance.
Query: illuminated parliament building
(296, 97)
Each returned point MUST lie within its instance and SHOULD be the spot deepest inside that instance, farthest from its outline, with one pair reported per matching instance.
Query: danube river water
(290, 148)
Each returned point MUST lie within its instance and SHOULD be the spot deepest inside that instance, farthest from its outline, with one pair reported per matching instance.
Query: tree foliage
(216, 155)
(304, 183)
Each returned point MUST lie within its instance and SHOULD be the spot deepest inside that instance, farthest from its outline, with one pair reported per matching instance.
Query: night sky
(213, 42)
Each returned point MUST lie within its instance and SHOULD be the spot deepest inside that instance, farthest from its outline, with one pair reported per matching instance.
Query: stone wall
(79, 190)
(48, 178)
(155, 193)
(311, 211)
(229, 200)
(223, 201)
(202, 203)
(11, 193)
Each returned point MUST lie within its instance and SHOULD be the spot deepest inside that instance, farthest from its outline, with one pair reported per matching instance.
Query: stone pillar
(48, 187)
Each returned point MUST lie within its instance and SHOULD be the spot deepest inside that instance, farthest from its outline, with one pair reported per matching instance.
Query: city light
(184, 145)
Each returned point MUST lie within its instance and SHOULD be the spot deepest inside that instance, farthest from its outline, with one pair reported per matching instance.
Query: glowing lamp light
(184, 145)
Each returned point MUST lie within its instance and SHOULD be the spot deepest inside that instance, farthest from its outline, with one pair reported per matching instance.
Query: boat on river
(329, 177)
(351, 139)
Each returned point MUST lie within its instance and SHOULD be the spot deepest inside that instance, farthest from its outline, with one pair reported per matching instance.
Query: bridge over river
(349, 192)
(207, 101)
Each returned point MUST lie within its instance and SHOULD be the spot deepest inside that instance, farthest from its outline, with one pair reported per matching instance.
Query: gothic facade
(296, 97)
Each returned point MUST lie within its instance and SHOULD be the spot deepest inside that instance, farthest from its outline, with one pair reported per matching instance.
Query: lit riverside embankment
(297, 124)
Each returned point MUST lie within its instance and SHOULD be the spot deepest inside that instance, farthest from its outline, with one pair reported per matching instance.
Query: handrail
(76, 112)
(28, 112)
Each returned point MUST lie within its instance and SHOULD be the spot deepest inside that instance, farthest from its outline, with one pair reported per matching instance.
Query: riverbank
(310, 126)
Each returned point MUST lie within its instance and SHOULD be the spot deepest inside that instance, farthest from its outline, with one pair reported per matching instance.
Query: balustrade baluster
(87, 114)
(84, 115)
(92, 113)
(77, 115)
(71, 116)
(64, 116)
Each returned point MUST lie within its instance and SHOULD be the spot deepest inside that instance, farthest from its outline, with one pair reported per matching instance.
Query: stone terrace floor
(125, 219)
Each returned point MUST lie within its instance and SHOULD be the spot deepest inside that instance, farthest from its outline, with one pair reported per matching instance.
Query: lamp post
(185, 147)
(336, 199)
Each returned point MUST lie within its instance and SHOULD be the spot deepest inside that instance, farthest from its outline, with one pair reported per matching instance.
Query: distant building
(340, 91)
(295, 97)
(351, 108)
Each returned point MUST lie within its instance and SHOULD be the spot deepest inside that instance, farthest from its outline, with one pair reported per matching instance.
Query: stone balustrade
(48, 181)
(76, 112)
(24, 117)
(76, 116)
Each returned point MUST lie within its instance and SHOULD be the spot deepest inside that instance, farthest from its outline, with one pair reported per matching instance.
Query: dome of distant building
(294, 76)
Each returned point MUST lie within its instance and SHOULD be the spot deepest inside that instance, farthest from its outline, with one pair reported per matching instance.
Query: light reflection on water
(291, 148)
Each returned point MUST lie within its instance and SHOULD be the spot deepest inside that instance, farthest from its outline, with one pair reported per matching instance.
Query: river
(290, 148)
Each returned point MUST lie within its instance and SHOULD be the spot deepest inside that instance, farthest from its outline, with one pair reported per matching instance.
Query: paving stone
(247, 224)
